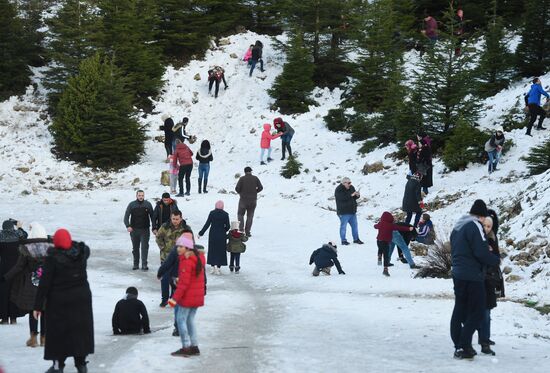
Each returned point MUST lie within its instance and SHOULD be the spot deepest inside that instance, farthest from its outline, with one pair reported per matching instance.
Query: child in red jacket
(385, 229)
(189, 294)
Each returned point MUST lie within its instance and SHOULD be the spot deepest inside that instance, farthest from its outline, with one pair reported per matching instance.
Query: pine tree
(445, 82)
(533, 53)
(14, 70)
(267, 17)
(95, 119)
(70, 35)
(538, 160)
(291, 168)
(31, 11)
(292, 88)
(464, 146)
(126, 34)
(495, 62)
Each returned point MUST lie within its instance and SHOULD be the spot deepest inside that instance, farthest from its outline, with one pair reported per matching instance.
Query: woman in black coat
(218, 221)
(412, 198)
(424, 165)
(64, 293)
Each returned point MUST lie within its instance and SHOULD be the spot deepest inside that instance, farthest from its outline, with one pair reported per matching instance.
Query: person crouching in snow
(287, 133)
(265, 142)
(385, 234)
(236, 246)
(189, 295)
(426, 232)
(324, 258)
(130, 315)
(215, 75)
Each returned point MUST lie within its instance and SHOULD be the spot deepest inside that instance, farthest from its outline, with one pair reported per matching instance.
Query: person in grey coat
(248, 188)
(287, 132)
(218, 222)
(493, 147)
(412, 199)
(137, 219)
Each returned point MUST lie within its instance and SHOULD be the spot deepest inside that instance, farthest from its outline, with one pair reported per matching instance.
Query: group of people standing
(282, 130)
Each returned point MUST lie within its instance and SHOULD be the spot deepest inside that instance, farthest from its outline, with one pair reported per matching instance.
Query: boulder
(224, 41)
(513, 278)
(197, 76)
(372, 168)
(233, 55)
(23, 169)
(165, 178)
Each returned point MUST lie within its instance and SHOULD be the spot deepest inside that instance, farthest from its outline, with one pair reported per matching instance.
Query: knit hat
(185, 242)
(219, 205)
(132, 290)
(234, 225)
(37, 231)
(9, 224)
(479, 208)
(165, 195)
(62, 239)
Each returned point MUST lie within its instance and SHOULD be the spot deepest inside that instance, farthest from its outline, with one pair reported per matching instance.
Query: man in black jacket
(137, 219)
(130, 316)
(324, 258)
(163, 209)
(346, 208)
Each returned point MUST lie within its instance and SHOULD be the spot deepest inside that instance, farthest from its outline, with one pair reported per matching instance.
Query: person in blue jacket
(469, 257)
(535, 108)
(324, 258)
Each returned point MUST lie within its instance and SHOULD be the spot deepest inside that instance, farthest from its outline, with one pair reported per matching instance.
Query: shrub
(336, 120)
(538, 161)
(465, 145)
(438, 261)
(291, 168)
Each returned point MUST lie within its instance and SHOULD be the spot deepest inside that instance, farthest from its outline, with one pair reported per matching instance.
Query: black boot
(200, 184)
(204, 187)
(82, 368)
(486, 349)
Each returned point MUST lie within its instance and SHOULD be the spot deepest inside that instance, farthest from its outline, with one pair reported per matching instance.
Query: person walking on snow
(469, 257)
(385, 235)
(218, 222)
(189, 295)
(256, 57)
(493, 147)
(130, 315)
(166, 239)
(287, 132)
(235, 246)
(183, 158)
(324, 258)
(346, 208)
(137, 219)
(215, 75)
(169, 136)
(265, 143)
(163, 209)
(204, 156)
(535, 108)
(248, 188)
(412, 199)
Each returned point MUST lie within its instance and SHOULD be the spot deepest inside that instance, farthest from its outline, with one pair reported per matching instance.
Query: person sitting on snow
(324, 258)
(130, 316)
(216, 74)
(426, 233)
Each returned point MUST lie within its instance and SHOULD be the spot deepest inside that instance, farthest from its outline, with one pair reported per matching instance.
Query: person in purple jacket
(535, 108)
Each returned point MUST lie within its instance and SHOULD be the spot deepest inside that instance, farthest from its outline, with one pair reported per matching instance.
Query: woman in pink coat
(265, 143)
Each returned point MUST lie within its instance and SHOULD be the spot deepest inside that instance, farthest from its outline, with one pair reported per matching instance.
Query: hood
(205, 152)
(330, 247)
(267, 127)
(182, 145)
(130, 296)
(387, 217)
(172, 202)
(9, 224)
(9, 235)
(465, 220)
(235, 233)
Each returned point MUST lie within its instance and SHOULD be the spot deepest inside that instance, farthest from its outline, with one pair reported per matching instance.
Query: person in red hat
(65, 293)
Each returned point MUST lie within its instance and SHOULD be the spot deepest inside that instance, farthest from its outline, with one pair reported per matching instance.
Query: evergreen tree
(445, 82)
(538, 160)
(291, 168)
(31, 11)
(267, 16)
(465, 145)
(292, 88)
(495, 61)
(533, 53)
(70, 35)
(126, 33)
(95, 118)
(14, 69)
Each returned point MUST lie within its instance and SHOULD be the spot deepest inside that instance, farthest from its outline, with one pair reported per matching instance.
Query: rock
(237, 175)
(319, 95)
(224, 41)
(46, 202)
(159, 138)
(89, 162)
(197, 76)
(222, 191)
(240, 29)
(253, 130)
(317, 116)
(165, 178)
(510, 242)
(136, 180)
(233, 55)
(25, 193)
(80, 186)
(23, 169)
(419, 249)
(513, 278)
(195, 98)
(43, 116)
(372, 168)
(507, 270)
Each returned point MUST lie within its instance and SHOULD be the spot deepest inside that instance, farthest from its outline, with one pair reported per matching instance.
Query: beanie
(132, 290)
(165, 195)
(479, 208)
(37, 231)
(234, 224)
(62, 239)
(185, 241)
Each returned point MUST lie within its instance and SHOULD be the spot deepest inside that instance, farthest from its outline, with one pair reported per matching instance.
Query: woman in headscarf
(218, 222)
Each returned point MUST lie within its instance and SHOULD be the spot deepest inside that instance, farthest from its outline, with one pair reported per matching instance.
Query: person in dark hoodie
(324, 258)
(385, 235)
(10, 237)
(256, 57)
(163, 209)
(412, 199)
(130, 315)
(288, 133)
(169, 136)
(65, 290)
(346, 198)
(204, 156)
(469, 257)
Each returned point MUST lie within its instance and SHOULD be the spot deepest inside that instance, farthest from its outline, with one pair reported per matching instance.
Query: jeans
(140, 237)
(468, 311)
(247, 207)
(397, 239)
(384, 250)
(185, 171)
(235, 260)
(494, 157)
(352, 220)
(416, 218)
(253, 63)
(33, 324)
(484, 331)
(285, 139)
(263, 152)
(185, 317)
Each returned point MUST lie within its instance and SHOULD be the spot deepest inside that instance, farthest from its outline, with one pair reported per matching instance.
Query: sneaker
(486, 349)
(414, 266)
(182, 352)
(345, 242)
(53, 370)
(237, 269)
(358, 241)
(212, 270)
(385, 272)
(379, 260)
(403, 260)
(463, 354)
(282, 158)
(195, 350)
(205, 191)
(187, 193)
(390, 264)
(269, 159)
(529, 134)
(231, 268)
(218, 271)
(163, 304)
(541, 128)
(248, 234)
(175, 333)
(179, 195)
(263, 163)
(135, 267)
(144, 268)
(471, 350)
